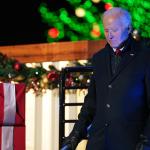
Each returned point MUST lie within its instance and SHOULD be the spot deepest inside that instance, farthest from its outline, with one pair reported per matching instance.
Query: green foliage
(38, 78)
(89, 26)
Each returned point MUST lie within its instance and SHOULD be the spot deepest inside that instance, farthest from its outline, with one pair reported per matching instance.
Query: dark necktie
(118, 52)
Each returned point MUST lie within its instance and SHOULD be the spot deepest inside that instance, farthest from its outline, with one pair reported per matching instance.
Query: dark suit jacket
(117, 106)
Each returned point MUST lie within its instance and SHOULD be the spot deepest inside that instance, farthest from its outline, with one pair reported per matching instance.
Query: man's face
(115, 31)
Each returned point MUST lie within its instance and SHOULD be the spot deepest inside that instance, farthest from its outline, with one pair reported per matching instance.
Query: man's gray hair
(121, 13)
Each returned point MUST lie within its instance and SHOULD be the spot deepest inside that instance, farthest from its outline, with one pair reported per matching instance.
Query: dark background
(20, 22)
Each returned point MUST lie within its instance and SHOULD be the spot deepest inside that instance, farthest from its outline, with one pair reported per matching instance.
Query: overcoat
(117, 107)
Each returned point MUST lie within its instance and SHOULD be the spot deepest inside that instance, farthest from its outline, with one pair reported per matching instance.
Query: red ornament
(69, 82)
(95, 33)
(53, 75)
(17, 66)
(53, 33)
(108, 6)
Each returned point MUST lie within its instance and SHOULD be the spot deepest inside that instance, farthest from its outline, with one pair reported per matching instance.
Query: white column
(49, 121)
(38, 123)
(55, 119)
(30, 121)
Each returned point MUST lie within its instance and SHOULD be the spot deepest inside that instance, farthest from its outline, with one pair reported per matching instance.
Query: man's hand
(66, 147)
(71, 142)
(142, 147)
(144, 144)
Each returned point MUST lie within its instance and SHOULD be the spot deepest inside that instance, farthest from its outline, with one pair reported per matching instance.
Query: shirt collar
(114, 49)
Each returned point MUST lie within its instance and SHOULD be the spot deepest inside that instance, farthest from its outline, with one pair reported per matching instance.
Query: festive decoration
(53, 75)
(136, 34)
(53, 32)
(80, 12)
(9, 115)
(96, 1)
(74, 19)
(13, 137)
(37, 77)
(96, 31)
(17, 66)
(108, 6)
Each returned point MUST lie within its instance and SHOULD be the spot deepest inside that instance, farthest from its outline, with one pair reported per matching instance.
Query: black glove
(139, 146)
(144, 144)
(71, 141)
(66, 147)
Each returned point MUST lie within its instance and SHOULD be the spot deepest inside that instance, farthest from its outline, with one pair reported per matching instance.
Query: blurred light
(80, 12)
(136, 34)
(95, 31)
(53, 33)
(96, 1)
(108, 6)
(36, 72)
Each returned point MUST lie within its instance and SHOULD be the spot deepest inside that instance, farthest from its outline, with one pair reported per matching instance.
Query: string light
(108, 6)
(95, 31)
(136, 34)
(96, 1)
(53, 32)
(80, 12)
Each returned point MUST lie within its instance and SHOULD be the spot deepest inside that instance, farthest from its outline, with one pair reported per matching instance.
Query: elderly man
(117, 106)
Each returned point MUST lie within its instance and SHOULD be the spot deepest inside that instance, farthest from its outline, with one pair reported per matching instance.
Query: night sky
(20, 23)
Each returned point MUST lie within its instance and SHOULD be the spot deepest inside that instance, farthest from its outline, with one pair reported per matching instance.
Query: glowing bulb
(96, 31)
(53, 32)
(80, 12)
(108, 6)
(96, 1)
(135, 31)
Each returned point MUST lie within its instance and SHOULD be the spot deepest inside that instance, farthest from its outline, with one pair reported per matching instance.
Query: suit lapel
(108, 63)
(128, 56)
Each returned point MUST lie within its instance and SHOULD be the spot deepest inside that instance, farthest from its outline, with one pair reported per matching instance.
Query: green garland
(38, 78)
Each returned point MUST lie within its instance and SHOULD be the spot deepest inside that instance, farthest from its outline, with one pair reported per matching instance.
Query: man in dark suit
(117, 106)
